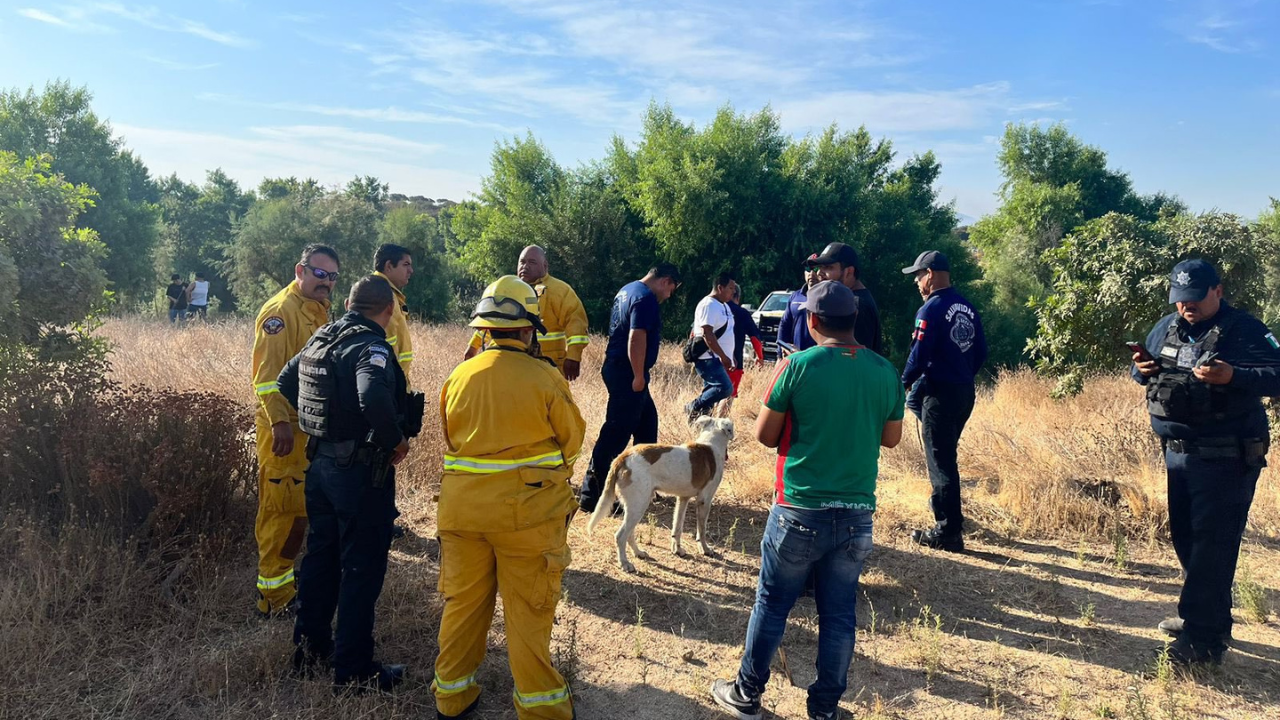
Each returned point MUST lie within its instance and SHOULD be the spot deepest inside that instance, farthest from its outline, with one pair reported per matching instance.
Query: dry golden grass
(1050, 615)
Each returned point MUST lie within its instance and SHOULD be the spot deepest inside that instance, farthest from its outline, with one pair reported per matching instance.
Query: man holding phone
(1206, 367)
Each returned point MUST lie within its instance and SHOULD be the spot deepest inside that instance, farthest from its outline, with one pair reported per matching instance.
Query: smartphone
(1141, 350)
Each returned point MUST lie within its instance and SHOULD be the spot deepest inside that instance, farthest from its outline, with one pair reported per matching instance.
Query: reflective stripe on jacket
(284, 325)
(512, 433)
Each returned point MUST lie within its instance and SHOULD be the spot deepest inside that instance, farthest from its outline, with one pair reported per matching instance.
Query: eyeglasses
(321, 274)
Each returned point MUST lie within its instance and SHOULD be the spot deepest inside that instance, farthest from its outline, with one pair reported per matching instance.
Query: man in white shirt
(198, 298)
(713, 322)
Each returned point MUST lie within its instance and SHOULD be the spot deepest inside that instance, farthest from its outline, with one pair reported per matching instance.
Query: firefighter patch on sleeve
(273, 325)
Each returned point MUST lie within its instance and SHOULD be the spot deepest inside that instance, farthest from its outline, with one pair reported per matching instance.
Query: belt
(345, 451)
(1224, 448)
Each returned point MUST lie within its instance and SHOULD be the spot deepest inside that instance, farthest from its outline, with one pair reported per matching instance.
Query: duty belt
(345, 451)
(1225, 448)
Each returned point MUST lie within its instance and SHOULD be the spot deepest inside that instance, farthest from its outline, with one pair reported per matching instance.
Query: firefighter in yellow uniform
(284, 325)
(394, 264)
(559, 309)
(512, 433)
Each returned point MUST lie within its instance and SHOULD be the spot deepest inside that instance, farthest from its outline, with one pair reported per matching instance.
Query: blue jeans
(718, 385)
(833, 544)
(177, 315)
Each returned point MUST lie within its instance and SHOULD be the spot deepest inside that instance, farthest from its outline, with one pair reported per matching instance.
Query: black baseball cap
(1191, 280)
(836, 252)
(928, 260)
(831, 299)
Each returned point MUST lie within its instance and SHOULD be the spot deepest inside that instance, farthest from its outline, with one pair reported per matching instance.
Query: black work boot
(931, 538)
(468, 712)
(1171, 626)
(381, 678)
(1187, 653)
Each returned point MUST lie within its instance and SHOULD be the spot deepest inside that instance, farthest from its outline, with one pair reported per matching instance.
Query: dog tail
(605, 506)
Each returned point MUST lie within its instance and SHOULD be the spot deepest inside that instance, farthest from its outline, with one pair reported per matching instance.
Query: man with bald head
(560, 309)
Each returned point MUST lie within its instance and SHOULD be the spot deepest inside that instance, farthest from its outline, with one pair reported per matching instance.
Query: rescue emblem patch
(273, 325)
(963, 333)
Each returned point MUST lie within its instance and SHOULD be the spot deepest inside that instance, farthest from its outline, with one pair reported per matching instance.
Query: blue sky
(1182, 94)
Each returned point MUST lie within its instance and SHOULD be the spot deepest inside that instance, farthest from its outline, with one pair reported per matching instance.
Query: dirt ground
(1026, 624)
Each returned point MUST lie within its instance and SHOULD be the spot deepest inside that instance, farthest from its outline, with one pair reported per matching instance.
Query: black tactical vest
(317, 384)
(1175, 394)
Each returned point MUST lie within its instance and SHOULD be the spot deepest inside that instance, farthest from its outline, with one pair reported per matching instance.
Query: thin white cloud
(44, 17)
(388, 114)
(88, 17)
(177, 65)
(331, 155)
(1226, 26)
(71, 18)
(899, 111)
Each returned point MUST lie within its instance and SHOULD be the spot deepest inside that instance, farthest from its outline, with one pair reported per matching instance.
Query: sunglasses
(321, 274)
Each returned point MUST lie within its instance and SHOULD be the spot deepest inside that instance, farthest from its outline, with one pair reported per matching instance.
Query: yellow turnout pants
(525, 566)
(281, 525)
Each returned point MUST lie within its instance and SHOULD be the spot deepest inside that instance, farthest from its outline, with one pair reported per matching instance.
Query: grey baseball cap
(831, 299)
(928, 260)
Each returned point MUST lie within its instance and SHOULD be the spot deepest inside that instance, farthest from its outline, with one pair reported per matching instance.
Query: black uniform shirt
(371, 387)
(1254, 355)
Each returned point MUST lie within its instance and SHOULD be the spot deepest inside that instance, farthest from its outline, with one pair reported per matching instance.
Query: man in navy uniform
(793, 330)
(1209, 365)
(351, 397)
(948, 348)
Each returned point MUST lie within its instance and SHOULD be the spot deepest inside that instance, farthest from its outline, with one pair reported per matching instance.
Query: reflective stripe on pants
(526, 567)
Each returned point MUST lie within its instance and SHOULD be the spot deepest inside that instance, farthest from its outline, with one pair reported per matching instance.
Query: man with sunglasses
(284, 325)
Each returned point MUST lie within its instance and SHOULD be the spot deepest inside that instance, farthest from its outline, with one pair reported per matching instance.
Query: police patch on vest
(963, 332)
(273, 325)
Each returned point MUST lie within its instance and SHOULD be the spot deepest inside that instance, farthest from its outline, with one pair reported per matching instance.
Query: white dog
(688, 472)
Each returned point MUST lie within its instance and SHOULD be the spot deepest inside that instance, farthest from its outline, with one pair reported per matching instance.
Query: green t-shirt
(837, 399)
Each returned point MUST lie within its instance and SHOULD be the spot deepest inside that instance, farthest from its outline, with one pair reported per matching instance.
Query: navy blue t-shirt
(794, 326)
(947, 344)
(635, 307)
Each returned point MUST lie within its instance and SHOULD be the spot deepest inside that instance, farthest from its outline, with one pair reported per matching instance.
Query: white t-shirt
(712, 312)
(200, 292)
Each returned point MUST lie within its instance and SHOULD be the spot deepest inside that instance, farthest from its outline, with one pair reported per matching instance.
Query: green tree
(60, 122)
(270, 237)
(515, 208)
(431, 294)
(369, 189)
(40, 248)
(1111, 284)
(198, 227)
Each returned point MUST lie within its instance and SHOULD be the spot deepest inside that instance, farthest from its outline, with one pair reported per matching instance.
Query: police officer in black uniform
(351, 398)
(1206, 369)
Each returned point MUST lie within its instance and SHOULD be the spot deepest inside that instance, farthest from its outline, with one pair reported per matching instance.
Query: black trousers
(943, 409)
(629, 416)
(349, 537)
(1209, 504)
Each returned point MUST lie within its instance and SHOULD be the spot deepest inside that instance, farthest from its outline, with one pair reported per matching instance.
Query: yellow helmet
(508, 303)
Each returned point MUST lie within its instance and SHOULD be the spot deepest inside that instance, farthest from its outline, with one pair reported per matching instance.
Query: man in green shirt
(829, 411)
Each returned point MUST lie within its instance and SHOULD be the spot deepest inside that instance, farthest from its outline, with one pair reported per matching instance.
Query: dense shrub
(157, 469)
